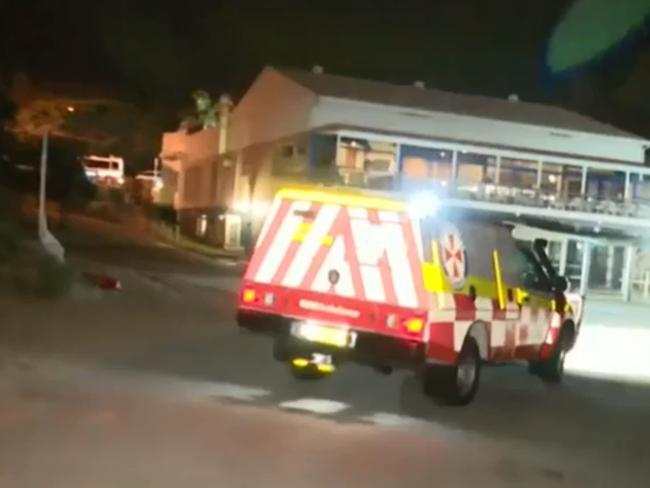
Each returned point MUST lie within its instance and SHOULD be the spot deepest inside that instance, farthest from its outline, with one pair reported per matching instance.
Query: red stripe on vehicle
(320, 256)
(263, 248)
(290, 254)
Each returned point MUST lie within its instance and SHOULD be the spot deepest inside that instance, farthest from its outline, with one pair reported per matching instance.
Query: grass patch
(42, 275)
(11, 242)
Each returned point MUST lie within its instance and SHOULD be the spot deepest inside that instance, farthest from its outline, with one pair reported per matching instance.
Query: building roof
(440, 101)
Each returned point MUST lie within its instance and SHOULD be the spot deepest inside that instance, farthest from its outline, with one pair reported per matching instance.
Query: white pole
(626, 280)
(609, 272)
(627, 192)
(454, 166)
(48, 241)
(497, 174)
(399, 171)
(539, 174)
(586, 267)
(564, 256)
(646, 284)
(583, 182)
(42, 217)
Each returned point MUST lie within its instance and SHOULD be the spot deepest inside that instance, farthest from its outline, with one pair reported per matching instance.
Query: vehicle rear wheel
(551, 370)
(281, 350)
(456, 385)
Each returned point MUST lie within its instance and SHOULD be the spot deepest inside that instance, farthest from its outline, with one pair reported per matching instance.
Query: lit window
(202, 225)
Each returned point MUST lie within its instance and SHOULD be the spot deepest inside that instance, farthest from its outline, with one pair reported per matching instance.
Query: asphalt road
(154, 385)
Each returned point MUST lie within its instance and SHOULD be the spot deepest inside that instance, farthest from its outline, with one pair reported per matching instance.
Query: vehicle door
(529, 290)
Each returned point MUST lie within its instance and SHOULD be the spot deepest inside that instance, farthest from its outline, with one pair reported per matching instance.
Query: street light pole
(42, 217)
(48, 241)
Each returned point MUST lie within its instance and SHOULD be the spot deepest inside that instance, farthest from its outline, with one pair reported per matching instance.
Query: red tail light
(251, 296)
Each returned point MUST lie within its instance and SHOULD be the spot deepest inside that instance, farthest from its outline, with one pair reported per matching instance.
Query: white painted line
(392, 420)
(315, 405)
(236, 392)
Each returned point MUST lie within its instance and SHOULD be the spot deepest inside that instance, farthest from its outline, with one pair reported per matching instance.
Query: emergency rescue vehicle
(339, 275)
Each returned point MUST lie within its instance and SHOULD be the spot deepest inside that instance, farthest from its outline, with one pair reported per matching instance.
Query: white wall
(196, 149)
(273, 108)
(473, 129)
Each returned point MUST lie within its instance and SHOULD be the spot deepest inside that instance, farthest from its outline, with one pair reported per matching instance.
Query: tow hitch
(322, 363)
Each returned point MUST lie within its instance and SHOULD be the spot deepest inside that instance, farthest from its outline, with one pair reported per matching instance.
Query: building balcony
(595, 193)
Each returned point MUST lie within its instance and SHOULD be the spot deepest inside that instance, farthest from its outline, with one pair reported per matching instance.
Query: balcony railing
(489, 192)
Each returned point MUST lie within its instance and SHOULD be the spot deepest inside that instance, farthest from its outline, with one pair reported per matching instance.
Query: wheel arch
(479, 332)
(569, 327)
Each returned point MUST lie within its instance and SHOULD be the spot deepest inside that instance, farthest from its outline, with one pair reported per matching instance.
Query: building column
(609, 273)
(540, 172)
(585, 270)
(497, 171)
(337, 156)
(454, 166)
(398, 163)
(583, 182)
(560, 182)
(564, 257)
(627, 191)
(626, 279)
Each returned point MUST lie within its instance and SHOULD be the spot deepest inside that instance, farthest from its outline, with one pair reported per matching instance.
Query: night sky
(155, 53)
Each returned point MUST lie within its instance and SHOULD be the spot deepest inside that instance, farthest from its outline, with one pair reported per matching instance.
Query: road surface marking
(315, 405)
(392, 420)
(237, 392)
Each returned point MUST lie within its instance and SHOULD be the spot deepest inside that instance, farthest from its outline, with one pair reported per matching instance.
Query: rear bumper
(370, 348)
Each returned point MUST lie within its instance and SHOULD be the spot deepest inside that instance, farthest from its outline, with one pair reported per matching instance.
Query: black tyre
(551, 370)
(247, 321)
(281, 350)
(455, 385)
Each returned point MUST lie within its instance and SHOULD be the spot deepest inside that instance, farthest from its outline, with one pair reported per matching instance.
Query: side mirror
(540, 244)
(560, 283)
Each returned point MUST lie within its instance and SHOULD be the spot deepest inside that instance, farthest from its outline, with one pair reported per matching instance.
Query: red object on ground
(103, 281)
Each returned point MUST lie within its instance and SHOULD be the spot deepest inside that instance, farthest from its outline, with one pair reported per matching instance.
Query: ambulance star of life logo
(453, 256)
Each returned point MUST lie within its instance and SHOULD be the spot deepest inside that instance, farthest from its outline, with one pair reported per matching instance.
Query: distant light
(256, 208)
(552, 178)
(443, 154)
(70, 108)
(424, 204)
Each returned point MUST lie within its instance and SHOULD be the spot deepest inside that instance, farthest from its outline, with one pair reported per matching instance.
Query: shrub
(42, 275)
(54, 278)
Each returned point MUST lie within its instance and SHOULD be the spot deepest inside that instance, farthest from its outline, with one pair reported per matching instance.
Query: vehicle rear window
(92, 164)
